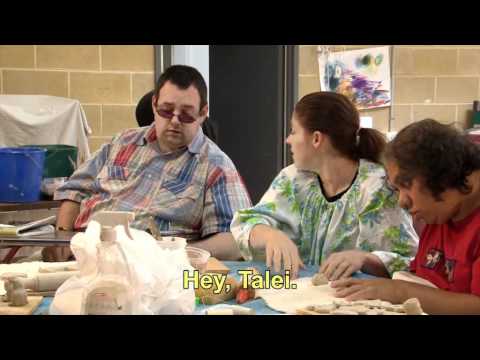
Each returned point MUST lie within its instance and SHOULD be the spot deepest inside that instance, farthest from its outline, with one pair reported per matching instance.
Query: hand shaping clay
(319, 279)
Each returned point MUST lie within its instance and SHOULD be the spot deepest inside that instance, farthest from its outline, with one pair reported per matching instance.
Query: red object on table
(474, 137)
(243, 295)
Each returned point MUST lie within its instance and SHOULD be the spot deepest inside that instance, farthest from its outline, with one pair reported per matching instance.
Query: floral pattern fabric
(366, 217)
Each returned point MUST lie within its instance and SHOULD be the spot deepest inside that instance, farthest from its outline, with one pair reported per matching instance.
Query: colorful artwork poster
(361, 75)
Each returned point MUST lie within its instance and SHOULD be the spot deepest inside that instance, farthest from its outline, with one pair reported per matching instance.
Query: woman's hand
(280, 249)
(343, 264)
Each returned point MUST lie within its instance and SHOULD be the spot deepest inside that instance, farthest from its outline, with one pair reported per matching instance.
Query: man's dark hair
(183, 76)
(439, 154)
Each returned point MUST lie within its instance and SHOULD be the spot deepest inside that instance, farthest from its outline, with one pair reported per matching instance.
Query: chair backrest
(144, 111)
(145, 117)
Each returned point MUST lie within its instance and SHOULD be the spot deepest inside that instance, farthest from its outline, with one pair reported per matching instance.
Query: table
(258, 305)
(57, 238)
(42, 204)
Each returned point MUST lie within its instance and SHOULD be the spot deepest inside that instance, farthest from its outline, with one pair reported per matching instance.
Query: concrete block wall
(108, 80)
(428, 81)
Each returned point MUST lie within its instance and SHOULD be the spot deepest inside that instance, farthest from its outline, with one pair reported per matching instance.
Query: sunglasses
(182, 117)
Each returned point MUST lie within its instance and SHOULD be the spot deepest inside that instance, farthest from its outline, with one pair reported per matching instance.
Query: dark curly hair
(335, 115)
(439, 154)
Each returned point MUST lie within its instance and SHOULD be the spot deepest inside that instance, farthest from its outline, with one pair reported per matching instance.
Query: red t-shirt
(449, 255)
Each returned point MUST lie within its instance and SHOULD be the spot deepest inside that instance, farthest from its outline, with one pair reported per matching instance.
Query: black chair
(145, 117)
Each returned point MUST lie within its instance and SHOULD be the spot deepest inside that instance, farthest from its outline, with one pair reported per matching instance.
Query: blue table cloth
(258, 305)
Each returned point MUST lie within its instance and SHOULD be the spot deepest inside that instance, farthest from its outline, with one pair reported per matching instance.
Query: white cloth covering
(44, 120)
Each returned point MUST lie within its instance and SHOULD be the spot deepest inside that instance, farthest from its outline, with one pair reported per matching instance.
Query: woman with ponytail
(333, 207)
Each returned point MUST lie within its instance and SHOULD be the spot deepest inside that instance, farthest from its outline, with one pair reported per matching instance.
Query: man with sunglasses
(169, 174)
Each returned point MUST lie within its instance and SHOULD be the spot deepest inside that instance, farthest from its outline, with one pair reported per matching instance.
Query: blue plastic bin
(21, 172)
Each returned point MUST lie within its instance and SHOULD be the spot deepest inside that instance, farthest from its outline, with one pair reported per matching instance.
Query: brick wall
(108, 80)
(428, 81)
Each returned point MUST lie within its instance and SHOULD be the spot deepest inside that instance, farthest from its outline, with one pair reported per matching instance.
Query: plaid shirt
(192, 192)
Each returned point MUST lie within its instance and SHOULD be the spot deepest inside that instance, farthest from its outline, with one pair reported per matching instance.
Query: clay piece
(398, 308)
(6, 277)
(363, 307)
(341, 302)
(242, 310)
(386, 312)
(220, 312)
(387, 305)
(343, 311)
(360, 309)
(18, 293)
(373, 303)
(8, 295)
(308, 312)
(319, 279)
(412, 307)
(324, 309)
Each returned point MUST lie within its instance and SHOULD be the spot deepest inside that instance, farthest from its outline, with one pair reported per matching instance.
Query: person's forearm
(67, 214)
(437, 301)
(374, 266)
(221, 246)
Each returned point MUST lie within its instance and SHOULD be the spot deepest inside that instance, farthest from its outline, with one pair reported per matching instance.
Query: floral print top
(365, 217)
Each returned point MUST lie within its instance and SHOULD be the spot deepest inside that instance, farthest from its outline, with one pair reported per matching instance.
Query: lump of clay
(412, 307)
(343, 311)
(386, 312)
(341, 302)
(324, 309)
(6, 278)
(305, 311)
(220, 312)
(319, 279)
(360, 309)
(364, 307)
(8, 288)
(18, 293)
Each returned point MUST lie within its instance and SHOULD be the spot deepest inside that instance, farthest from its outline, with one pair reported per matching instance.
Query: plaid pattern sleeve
(191, 193)
(83, 183)
(225, 194)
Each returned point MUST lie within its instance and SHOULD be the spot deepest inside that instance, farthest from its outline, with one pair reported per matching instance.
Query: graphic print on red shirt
(449, 255)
